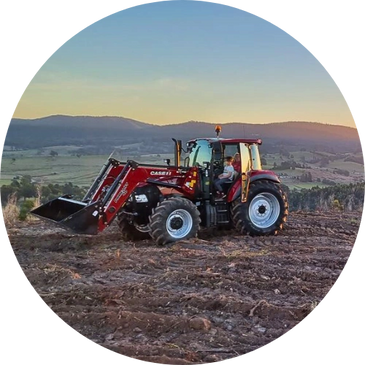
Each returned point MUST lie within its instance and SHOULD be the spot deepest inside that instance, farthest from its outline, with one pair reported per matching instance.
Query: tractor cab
(209, 155)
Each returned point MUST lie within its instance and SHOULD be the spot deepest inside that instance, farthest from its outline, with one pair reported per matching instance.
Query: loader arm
(119, 192)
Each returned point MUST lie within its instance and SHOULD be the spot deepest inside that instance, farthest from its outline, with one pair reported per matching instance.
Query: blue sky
(175, 61)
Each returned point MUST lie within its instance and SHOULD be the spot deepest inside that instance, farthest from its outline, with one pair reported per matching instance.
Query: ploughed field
(203, 300)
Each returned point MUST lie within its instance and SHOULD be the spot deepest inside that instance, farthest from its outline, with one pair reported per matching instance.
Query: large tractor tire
(129, 231)
(173, 220)
(264, 212)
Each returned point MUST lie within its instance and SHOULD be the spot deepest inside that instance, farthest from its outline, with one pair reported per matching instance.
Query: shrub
(6, 192)
(25, 208)
(337, 205)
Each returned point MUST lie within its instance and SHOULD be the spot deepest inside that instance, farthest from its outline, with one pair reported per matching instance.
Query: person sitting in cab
(226, 176)
(237, 162)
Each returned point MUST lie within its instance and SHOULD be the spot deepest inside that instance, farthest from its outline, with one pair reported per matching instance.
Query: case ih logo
(161, 173)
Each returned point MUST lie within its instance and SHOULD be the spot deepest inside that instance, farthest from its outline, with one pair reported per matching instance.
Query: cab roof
(228, 140)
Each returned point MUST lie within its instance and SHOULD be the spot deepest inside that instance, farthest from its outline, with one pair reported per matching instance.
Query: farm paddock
(207, 299)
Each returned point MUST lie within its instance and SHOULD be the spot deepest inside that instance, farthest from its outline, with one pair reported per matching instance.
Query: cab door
(245, 168)
(200, 158)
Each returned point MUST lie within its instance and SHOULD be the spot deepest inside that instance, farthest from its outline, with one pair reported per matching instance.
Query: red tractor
(170, 202)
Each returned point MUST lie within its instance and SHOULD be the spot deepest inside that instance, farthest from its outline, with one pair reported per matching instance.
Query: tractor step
(222, 212)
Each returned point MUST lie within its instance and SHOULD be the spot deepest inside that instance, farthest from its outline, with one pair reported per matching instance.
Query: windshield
(199, 152)
(255, 156)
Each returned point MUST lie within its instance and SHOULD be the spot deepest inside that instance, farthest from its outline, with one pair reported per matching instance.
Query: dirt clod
(200, 324)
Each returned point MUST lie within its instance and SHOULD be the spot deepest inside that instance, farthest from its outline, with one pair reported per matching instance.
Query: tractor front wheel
(130, 231)
(173, 220)
(264, 212)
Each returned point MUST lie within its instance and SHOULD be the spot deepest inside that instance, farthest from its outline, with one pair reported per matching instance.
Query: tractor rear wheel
(130, 231)
(173, 220)
(264, 212)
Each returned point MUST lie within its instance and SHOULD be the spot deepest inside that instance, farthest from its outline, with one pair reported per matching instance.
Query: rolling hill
(88, 130)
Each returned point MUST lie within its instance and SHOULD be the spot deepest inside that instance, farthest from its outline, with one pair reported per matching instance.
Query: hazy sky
(171, 62)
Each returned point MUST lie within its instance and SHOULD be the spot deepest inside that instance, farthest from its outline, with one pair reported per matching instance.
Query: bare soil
(198, 301)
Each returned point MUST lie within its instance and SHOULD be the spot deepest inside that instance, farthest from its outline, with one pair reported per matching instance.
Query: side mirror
(167, 161)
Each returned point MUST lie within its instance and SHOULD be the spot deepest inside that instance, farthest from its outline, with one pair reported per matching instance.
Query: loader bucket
(71, 214)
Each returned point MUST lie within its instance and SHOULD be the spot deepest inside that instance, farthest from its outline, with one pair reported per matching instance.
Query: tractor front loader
(171, 202)
(117, 184)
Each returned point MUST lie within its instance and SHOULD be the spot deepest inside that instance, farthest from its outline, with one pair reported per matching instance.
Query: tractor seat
(235, 175)
(228, 184)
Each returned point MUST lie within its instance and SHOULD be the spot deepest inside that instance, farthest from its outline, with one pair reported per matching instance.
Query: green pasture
(82, 170)
(346, 165)
(305, 156)
(62, 169)
(305, 185)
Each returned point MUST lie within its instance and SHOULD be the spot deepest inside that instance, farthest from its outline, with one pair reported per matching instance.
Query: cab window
(199, 152)
(230, 150)
(255, 156)
(245, 157)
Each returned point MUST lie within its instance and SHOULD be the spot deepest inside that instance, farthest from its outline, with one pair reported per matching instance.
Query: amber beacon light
(218, 129)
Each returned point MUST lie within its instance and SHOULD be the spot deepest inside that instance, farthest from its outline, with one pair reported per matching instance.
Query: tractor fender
(270, 177)
(236, 190)
(174, 195)
(235, 196)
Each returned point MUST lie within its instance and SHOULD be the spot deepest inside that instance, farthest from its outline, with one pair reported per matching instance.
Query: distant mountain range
(114, 131)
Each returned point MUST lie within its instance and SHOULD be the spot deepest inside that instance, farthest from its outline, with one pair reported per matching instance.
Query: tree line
(24, 187)
(343, 197)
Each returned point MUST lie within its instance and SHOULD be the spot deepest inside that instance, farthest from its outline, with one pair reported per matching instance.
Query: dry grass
(11, 211)
(36, 204)
(37, 200)
(51, 268)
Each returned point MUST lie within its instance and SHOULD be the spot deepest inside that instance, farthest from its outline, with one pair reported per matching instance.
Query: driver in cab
(226, 176)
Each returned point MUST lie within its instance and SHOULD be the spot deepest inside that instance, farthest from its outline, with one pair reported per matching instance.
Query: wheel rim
(144, 228)
(264, 210)
(179, 223)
